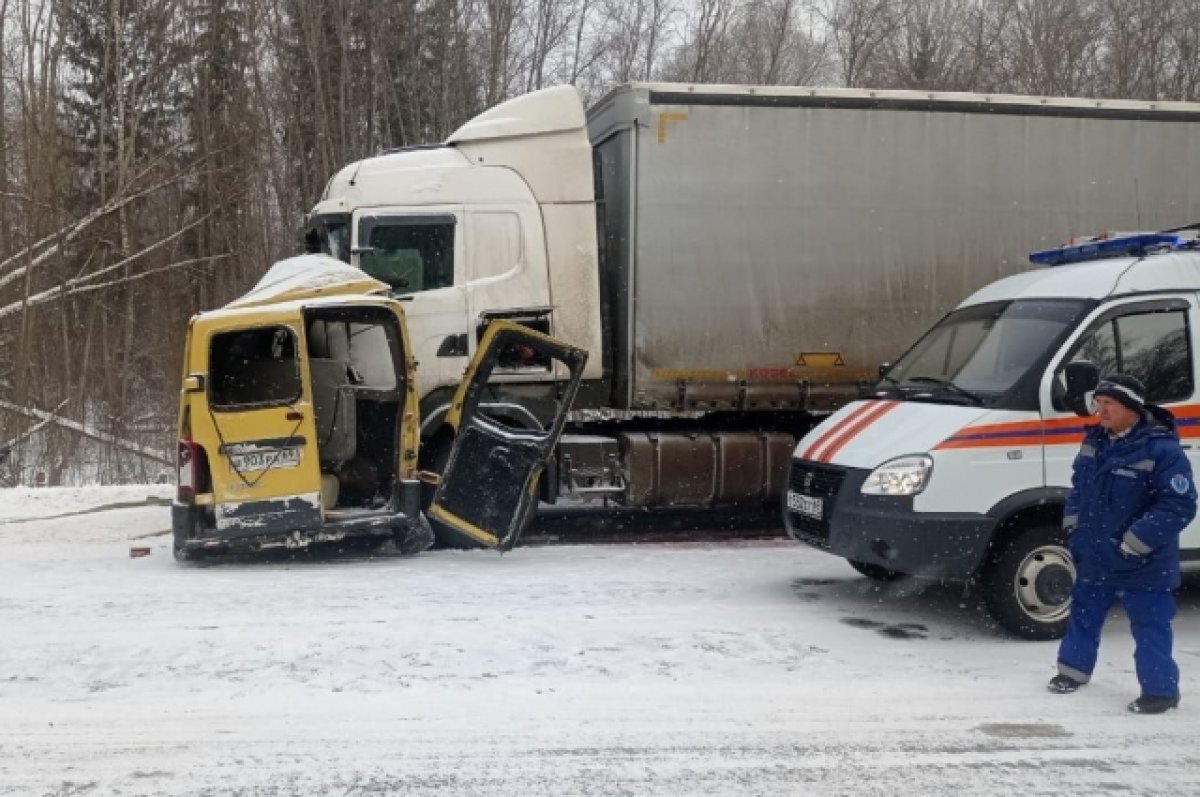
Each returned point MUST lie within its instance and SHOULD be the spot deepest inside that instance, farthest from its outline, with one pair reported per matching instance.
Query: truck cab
(959, 464)
(497, 222)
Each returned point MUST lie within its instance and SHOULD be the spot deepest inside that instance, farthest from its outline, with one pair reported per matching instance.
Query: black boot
(1063, 684)
(1153, 704)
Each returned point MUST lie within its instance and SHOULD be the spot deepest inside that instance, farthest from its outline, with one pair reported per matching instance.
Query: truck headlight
(901, 476)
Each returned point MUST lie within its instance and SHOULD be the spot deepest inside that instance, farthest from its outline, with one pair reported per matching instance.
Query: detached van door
(490, 481)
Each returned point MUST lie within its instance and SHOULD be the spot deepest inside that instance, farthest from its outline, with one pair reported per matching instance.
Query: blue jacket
(1137, 489)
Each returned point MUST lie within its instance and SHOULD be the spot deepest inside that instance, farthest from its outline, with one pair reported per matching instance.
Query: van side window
(1155, 347)
(253, 367)
(409, 253)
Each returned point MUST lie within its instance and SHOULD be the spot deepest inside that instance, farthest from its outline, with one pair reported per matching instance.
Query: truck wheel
(876, 572)
(1027, 583)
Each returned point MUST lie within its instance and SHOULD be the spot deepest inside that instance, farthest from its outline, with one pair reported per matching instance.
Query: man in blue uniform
(1132, 495)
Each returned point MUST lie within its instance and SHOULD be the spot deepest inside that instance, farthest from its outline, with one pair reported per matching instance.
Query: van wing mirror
(193, 383)
(1082, 377)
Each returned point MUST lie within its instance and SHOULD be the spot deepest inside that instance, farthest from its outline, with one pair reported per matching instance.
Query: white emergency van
(959, 464)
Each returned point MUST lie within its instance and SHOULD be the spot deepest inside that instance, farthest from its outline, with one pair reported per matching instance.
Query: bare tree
(1053, 47)
(500, 17)
(1183, 39)
(1137, 54)
(858, 29)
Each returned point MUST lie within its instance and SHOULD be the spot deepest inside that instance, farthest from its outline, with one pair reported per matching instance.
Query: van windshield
(978, 354)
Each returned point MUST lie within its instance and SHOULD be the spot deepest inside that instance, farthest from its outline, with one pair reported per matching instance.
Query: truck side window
(409, 253)
(1155, 347)
(253, 367)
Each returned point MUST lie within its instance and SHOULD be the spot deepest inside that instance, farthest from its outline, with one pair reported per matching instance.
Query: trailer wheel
(876, 572)
(1027, 583)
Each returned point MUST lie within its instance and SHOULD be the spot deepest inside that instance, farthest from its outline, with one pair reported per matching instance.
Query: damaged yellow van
(298, 422)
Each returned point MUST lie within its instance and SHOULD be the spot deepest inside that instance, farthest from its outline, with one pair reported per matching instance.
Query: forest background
(157, 155)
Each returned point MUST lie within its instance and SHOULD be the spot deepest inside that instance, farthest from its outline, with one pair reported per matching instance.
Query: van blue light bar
(1102, 249)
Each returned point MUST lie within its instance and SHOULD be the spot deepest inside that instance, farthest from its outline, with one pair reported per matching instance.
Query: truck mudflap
(824, 507)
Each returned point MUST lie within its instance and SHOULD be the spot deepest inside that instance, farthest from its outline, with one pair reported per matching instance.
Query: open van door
(489, 484)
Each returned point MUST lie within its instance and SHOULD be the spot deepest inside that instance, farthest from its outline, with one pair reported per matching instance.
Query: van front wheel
(1027, 583)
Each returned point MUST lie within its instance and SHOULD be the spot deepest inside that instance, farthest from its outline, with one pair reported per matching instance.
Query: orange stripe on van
(810, 452)
(867, 420)
(1022, 441)
(1059, 431)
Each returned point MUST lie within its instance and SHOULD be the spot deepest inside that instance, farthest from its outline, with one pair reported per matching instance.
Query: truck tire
(876, 572)
(1027, 583)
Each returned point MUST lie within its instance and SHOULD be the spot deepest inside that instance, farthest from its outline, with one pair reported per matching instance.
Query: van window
(1155, 347)
(253, 367)
(409, 253)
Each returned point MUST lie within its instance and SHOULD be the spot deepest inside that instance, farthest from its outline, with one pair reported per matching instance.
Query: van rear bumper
(294, 522)
(886, 531)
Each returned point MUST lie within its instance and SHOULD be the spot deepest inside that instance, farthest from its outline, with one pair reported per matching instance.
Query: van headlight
(901, 476)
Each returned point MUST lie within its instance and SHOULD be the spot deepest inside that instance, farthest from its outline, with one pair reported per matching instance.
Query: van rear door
(489, 484)
(252, 409)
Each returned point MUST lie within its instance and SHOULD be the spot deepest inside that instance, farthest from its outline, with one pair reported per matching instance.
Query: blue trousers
(1150, 614)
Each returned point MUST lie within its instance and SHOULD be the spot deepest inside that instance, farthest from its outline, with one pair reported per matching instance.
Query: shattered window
(253, 367)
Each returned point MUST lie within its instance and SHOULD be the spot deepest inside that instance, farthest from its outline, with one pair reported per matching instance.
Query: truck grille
(818, 481)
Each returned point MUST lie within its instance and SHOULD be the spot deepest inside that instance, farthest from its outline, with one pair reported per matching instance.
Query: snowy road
(761, 668)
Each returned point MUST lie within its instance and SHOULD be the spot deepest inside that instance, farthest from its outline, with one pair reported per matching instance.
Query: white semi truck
(738, 260)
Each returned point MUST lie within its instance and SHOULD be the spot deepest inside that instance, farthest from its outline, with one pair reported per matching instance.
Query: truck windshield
(978, 354)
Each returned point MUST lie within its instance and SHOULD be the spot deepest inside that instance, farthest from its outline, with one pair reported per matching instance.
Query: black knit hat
(1126, 389)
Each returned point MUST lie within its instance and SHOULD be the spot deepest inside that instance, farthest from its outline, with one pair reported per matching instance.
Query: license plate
(273, 458)
(805, 505)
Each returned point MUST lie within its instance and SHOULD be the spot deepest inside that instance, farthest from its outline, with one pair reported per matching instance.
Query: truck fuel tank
(681, 469)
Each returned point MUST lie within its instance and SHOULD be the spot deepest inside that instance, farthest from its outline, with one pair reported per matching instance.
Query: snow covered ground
(732, 669)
